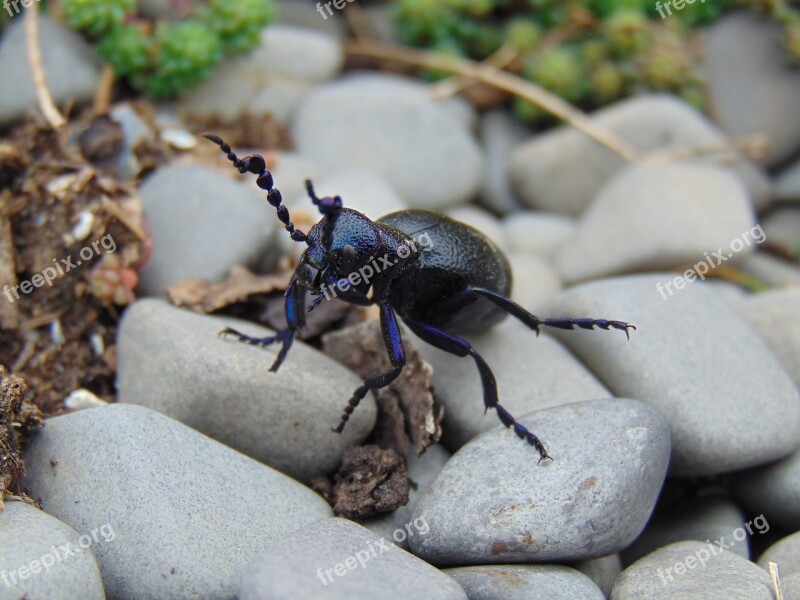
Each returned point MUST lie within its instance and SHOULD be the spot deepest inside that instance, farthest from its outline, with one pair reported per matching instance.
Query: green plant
(590, 52)
(165, 59)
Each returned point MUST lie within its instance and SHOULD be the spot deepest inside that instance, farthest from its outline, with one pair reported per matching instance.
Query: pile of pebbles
(676, 468)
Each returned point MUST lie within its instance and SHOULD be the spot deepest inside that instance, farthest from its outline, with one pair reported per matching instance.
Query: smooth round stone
(300, 14)
(603, 571)
(790, 586)
(768, 270)
(360, 190)
(773, 490)
(494, 503)
(639, 221)
(561, 170)
(500, 133)
(273, 79)
(482, 220)
(675, 572)
(531, 374)
(174, 361)
(782, 228)
(388, 125)
(202, 223)
(188, 512)
(785, 553)
(525, 582)
(729, 403)
(750, 85)
(775, 314)
(41, 557)
(712, 517)
(787, 186)
(422, 470)
(337, 559)
(539, 232)
(70, 64)
(535, 281)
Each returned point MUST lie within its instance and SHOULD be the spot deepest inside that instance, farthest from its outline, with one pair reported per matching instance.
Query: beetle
(459, 284)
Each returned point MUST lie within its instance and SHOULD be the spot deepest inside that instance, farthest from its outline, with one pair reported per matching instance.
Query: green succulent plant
(590, 52)
(167, 59)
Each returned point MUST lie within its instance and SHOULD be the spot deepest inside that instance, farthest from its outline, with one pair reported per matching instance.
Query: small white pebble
(81, 399)
(97, 344)
(57, 333)
(179, 139)
(83, 227)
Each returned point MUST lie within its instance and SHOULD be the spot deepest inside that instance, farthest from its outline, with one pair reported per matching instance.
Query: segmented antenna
(330, 207)
(257, 165)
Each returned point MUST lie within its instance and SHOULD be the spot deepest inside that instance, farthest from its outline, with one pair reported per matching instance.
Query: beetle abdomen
(452, 256)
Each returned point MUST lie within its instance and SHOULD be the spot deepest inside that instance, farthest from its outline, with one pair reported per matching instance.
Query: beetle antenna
(330, 207)
(257, 165)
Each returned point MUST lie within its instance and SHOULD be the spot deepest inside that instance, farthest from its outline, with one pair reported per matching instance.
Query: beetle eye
(348, 253)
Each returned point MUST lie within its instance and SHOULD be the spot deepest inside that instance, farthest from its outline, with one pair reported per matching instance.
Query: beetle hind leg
(535, 322)
(455, 345)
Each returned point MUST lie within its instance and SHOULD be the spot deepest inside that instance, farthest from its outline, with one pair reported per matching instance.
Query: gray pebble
(729, 403)
(782, 228)
(422, 470)
(787, 186)
(603, 571)
(768, 270)
(173, 361)
(188, 513)
(388, 125)
(535, 281)
(532, 373)
(786, 553)
(71, 67)
(202, 223)
(750, 85)
(539, 232)
(500, 134)
(339, 559)
(790, 587)
(544, 171)
(360, 190)
(41, 557)
(494, 503)
(773, 490)
(713, 517)
(639, 222)
(305, 15)
(525, 582)
(776, 316)
(273, 79)
(676, 572)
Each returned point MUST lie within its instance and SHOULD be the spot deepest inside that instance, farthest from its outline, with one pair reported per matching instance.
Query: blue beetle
(459, 284)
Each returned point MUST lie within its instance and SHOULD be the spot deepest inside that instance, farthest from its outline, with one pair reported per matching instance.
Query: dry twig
(54, 118)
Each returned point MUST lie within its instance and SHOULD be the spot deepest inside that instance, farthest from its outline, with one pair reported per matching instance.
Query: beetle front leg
(397, 355)
(294, 307)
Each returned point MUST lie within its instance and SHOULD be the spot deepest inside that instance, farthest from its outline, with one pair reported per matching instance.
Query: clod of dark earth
(370, 481)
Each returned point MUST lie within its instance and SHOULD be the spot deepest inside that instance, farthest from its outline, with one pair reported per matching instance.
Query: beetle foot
(522, 432)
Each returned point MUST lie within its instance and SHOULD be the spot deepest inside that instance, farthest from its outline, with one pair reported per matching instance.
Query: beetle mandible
(460, 285)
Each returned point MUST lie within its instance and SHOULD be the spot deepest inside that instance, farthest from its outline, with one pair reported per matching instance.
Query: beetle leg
(455, 345)
(397, 356)
(294, 306)
(535, 322)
